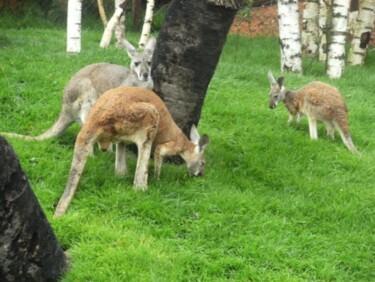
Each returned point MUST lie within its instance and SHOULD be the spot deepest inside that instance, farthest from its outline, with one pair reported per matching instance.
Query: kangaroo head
(277, 93)
(141, 60)
(195, 156)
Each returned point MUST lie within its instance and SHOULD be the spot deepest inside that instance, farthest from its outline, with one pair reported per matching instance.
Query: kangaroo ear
(280, 82)
(194, 134)
(129, 48)
(271, 78)
(203, 142)
(150, 45)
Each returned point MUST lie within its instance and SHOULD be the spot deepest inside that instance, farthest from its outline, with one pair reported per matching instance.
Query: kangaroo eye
(149, 63)
(136, 64)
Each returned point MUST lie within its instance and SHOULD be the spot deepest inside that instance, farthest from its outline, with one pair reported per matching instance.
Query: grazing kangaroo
(319, 102)
(136, 115)
(84, 88)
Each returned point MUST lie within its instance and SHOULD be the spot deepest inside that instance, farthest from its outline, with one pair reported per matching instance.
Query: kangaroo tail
(347, 139)
(58, 128)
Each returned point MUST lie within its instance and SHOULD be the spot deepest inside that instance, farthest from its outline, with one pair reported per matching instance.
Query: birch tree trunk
(146, 29)
(74, 26)
(362, 32)
(102, 14)
(113, 22)
(310, 32)
(336, 49)
(120, 26)
(325, 25)
(187, 51)
(289, 36)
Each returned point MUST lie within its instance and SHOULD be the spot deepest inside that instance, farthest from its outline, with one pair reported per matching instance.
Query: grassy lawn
(273, 206)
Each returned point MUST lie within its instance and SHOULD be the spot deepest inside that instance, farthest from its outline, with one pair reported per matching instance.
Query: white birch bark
(362, 32)
(120, 27)
(336, 50)
(74, 26)
(289, 34)
(310, 32)
(108, 31)
(146, 29)
(324, 19)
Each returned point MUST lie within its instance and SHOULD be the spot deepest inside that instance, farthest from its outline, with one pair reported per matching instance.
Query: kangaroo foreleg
(158, 161)
(120, 165)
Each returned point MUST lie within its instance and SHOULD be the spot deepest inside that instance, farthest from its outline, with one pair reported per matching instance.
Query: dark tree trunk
(187, 51)
(29, 250)
(136, 14)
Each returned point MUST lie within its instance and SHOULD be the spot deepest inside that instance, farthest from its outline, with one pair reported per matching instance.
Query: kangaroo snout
(145, 76)
(200, 173)
(272, 106)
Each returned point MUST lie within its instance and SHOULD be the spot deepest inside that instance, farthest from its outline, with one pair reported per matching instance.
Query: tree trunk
(29, 250)
(74, 26)
(325, 26)
(362, 32)
(136, 14)
(102, 14)
(113, 22)
(120, 26)
(146, 29)
(289, 36)
(310, 32)
(336, 49)
(187, 51)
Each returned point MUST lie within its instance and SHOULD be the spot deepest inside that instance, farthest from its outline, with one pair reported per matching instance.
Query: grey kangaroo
(319, 102)
(85, 87)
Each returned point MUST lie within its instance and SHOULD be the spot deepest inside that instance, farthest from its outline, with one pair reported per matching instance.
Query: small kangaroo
(319, 102)
(136, 115)
(84, 88)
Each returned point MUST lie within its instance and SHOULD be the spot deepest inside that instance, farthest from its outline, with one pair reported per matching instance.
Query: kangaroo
(136, 115)
(319, 102)
(84, 88)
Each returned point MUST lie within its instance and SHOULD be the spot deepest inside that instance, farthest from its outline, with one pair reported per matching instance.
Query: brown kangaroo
(136, 115)
(319, 102)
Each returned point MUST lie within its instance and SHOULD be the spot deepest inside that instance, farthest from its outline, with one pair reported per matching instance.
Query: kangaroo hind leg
(81, 153)
(144, 139)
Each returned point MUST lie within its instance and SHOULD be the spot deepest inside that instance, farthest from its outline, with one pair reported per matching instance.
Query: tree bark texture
(289, 36)
(112, 24)
(310, 32)
(336, 49)
(74, 26)
(146, 29)
(136, 14)
(325, 25)
(362, 32)
(120, 26)
(188, 49)
(29, 250)
(102, 14)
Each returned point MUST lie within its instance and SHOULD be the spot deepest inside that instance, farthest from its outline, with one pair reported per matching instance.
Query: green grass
(273, 206)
